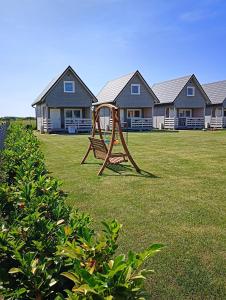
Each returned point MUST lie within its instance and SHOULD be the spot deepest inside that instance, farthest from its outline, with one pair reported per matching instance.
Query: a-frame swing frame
(108, 156)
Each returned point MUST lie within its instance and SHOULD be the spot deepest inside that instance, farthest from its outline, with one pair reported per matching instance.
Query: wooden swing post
(100, 150)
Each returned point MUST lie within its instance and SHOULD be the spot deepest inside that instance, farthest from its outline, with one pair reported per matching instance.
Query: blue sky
(103, 39)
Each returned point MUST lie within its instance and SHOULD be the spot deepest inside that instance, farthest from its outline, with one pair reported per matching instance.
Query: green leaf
(15, 270)
(72, 276)
(52, 282)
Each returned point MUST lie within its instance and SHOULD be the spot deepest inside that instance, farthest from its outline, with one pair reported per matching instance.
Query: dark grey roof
(55, 80)
(216, 91)
(167, 91)
(114, 87)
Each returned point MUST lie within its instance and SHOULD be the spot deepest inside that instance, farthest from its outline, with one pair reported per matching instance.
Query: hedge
(49, 250)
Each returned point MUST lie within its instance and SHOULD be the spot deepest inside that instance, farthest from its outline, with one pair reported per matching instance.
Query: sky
(104, 39)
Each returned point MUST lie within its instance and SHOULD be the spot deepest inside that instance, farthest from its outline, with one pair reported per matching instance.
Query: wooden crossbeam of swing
(100, 150)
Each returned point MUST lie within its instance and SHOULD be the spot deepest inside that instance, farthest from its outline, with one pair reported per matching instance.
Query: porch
(218, 117)
(67, 120)
(191, 118)
(137, 118)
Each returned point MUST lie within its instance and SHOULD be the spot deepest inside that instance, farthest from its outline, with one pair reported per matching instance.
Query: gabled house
(182, 104)
(134, 97)
(65, 103)
(216, 112)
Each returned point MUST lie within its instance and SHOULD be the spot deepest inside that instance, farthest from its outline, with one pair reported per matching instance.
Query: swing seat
(100, 151)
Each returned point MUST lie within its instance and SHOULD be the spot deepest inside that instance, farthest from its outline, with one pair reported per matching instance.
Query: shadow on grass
(124, 170)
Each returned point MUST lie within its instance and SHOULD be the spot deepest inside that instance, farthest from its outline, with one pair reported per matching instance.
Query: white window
(69, 86)
(73, 113)
(133, 113)
(184, 113)
(135, 89)
(190, 91)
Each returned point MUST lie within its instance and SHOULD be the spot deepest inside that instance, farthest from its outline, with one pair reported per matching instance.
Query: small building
(65, 104)
(132, 94)
(182, 104)
(216, 112)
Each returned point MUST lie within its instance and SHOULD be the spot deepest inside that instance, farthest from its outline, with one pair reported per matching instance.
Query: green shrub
(48, 250)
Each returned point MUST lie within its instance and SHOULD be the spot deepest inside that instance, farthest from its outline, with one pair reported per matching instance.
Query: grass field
(180, 200)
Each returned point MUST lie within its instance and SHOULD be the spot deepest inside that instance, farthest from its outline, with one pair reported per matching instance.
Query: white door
(55, 118)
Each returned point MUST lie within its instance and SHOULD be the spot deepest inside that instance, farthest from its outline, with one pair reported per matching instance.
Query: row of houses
(181, 103)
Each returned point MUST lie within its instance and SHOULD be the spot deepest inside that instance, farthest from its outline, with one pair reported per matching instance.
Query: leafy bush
(48, 250)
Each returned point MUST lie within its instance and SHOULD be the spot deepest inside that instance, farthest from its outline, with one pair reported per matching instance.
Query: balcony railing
(141, 123)
(78, 124)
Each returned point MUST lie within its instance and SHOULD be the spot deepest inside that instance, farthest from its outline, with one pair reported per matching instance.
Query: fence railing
(78, 124)
(169, 123)
(47, 125)
(195, 122)
(141, 123)
(217, 122)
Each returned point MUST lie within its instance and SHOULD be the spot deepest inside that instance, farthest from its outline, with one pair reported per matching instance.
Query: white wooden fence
(195, 122)
(47, 125)
(169, 123)
(218, 122)
(141, 123)
(172, 123)
(79, 124)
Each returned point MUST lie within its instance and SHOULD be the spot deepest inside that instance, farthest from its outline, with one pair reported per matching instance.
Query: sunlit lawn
(181, 203)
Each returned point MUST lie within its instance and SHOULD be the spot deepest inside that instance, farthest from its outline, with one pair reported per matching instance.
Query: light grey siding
(126, 100)
(58, 98)
(208, 110)
(159, 114)
(224, 103)
(184, 101)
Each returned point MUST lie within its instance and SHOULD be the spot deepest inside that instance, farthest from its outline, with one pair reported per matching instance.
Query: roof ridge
(169, 80)
(224, 80)
(122, 76)
(112, 80)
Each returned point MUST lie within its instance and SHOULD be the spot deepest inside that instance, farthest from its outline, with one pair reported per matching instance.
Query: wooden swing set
(98, 145)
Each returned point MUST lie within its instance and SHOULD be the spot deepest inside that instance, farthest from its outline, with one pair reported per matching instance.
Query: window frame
(184, 111)
(193, 89)
(73, 116)
(131, 88)
(133, 110)
(73, 86)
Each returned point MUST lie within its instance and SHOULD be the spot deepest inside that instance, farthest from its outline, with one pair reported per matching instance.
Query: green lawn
(181, 203)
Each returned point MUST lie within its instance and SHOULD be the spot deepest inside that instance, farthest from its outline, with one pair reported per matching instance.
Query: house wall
(159, 114)
(147, 112)
(197, 112)
(224, 103)
(58, 98)
(39, 115)
(126, 100)
(184, 101)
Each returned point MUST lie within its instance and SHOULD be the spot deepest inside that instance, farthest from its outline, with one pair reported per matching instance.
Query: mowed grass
(181, 203)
